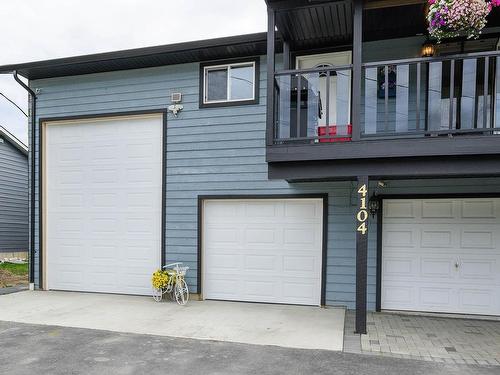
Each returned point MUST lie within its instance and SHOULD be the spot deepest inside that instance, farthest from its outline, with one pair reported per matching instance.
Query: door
(263, 250)
(102, 191)
(340, 85)
(441, 255)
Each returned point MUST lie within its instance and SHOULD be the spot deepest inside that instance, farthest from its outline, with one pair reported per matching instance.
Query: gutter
(32, 192)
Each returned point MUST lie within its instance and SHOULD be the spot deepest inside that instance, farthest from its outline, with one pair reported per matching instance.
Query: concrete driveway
(261, 324)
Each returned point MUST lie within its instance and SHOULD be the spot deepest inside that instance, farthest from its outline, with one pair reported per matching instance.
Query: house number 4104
(362, 215)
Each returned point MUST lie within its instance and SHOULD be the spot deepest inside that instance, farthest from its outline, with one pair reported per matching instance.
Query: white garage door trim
(441, 255)
(234, 217)
(154, 123)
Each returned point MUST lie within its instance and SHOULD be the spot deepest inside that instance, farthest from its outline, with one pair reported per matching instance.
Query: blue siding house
(14, 194)
(327, 163)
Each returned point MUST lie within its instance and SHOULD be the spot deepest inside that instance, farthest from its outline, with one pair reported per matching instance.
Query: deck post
(361, 252)
(271, 41)
(357, 48)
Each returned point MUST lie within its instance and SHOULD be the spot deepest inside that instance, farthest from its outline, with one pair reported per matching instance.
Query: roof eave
(23, 69)
(12, 139)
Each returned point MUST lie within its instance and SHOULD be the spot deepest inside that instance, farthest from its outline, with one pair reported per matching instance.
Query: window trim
(204, 67)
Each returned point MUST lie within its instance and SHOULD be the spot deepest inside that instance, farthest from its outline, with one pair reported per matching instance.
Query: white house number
(362, 215)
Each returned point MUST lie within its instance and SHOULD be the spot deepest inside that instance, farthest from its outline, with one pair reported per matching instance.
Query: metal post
(361, 253)
(270, 76)
(286, 55)
(357, 41)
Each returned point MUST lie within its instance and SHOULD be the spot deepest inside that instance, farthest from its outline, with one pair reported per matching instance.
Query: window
(229, 84)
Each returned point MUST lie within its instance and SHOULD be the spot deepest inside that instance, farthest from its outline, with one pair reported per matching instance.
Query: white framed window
(232, 83)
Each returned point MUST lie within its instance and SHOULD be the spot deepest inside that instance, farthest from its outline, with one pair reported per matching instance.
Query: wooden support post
(361, 253)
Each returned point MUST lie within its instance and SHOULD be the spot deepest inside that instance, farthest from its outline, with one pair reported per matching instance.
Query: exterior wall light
(428, 49)
(176, 107)
(373, 205)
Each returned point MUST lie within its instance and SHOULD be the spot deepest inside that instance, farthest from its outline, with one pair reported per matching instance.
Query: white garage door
(103, 204)
(441, 255)
(263, 250)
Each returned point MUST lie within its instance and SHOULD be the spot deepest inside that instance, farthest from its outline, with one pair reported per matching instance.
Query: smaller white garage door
(103, 204)
(441, 255)
(266, 250)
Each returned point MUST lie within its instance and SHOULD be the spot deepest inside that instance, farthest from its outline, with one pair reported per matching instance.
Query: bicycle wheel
(157, 294)
(181, 292)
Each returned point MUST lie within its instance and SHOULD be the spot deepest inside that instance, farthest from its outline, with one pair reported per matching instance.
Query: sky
(32, 30)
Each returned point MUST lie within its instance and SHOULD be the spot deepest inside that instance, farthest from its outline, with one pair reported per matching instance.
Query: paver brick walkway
(438, 339)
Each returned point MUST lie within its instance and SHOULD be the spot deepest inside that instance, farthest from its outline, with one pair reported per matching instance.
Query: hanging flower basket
(452, 18)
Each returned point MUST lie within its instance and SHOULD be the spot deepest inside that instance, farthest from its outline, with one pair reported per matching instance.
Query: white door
(263, 250)
(103, 204)
(340, 85)
(441, 255)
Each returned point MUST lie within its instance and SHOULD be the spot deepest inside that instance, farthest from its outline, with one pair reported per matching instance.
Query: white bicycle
(176, 285)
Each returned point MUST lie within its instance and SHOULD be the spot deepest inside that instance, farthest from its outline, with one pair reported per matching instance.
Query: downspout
(32, 192)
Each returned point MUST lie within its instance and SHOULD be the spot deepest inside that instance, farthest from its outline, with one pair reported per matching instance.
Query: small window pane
(242, 82)
(216, 84)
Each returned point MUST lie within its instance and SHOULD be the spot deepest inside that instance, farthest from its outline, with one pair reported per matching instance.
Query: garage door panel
(221, 235)
(112, 224)
(260, 236)
(397, 296)
(301, 210)
(259, 210)
(394, 266)
(399, 237)
(260, 263)
(432, 238)
(399, 209)
(478, 269)
(479, 209)
(479, 238)
(299, 290)
(305, 235)
(301, 264)
(478, 300)
(432, 297)
(103, 254)
(437, 267)
(444, 257)
(259, 254)
(438, 209)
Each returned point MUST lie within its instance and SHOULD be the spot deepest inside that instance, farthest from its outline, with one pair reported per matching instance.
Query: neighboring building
(14, 194)
(263, 197)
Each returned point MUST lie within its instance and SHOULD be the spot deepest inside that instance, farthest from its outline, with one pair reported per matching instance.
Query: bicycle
(176, 284)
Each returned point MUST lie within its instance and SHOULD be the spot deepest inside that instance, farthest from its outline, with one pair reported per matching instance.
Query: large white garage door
(103, 204)
(441, 255)
(263, 250)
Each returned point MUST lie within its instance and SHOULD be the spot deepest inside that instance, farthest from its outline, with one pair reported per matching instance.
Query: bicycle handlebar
(172, 265)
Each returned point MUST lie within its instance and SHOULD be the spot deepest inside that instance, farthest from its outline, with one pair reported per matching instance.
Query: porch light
(373, 205)
(428, 49)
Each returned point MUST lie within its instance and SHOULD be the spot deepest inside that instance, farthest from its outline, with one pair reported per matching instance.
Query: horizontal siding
(221, 151)
(14, 198)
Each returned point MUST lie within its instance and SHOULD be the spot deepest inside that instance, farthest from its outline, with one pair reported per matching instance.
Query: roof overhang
(11, 138)
(179, 53)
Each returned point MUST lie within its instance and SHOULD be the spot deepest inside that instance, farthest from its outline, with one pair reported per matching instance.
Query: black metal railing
(411, 98)
(313, 105)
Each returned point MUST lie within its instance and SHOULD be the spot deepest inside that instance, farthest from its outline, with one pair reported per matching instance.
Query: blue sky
(46, 29)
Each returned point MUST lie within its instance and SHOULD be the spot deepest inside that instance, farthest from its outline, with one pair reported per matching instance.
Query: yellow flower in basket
(160, 279)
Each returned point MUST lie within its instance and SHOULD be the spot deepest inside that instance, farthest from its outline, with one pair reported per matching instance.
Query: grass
(15, 269)
(12, 274)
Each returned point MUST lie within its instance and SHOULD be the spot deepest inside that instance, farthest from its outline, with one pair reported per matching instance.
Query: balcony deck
(414, 117)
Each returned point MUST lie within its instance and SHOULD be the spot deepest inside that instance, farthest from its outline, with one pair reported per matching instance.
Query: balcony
(433, 100)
